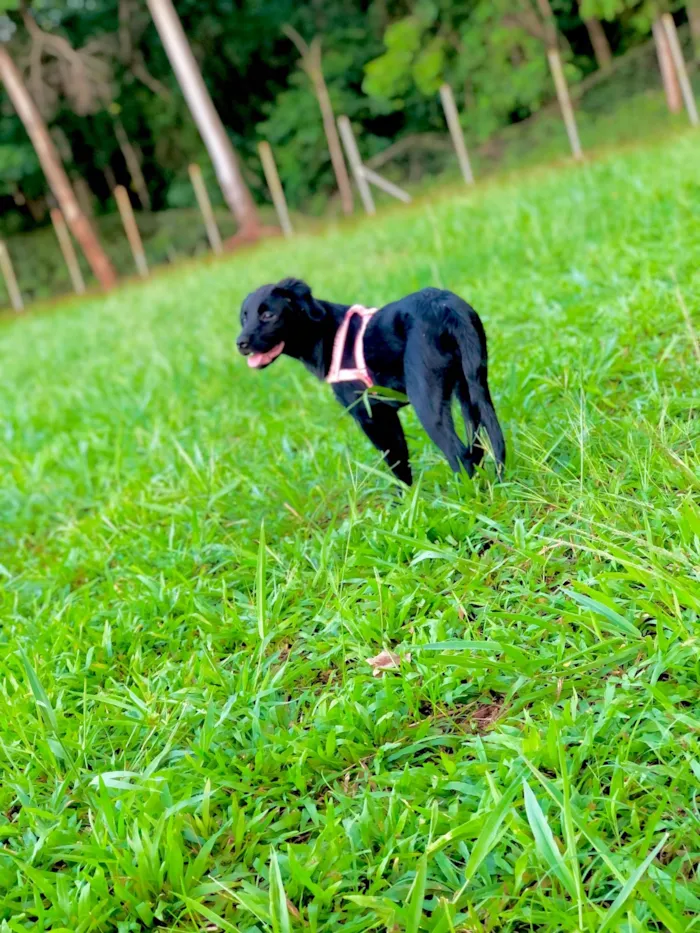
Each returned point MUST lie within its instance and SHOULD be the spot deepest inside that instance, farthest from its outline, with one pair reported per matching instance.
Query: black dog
(430, 346)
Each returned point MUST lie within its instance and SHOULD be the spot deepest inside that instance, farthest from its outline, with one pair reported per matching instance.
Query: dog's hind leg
(468, 331)
(477, 380)
(429, 388)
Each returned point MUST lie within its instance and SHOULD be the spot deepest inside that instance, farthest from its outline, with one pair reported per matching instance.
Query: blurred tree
(599, 41)
(382, 63)
(293, 124)
(51, 164)
(83, 77)
(74, 76)
(642, 16)
(491, 49)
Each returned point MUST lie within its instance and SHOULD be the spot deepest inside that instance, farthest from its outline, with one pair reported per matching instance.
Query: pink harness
(359, 372)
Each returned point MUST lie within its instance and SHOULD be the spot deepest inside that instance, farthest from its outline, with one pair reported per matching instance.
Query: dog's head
(275, 317)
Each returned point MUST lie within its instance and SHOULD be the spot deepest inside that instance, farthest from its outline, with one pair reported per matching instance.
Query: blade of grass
(261, 584)
(672, 923)
(487, 838)
(279, 912)
(614, 618)
(545, 842)
(630, 885)
(416, 895)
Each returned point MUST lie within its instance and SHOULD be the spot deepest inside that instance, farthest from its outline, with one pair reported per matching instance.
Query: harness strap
(358, 373)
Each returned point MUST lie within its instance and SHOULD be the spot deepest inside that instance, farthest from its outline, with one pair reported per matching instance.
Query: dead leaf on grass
(485, 716)
(386, 661)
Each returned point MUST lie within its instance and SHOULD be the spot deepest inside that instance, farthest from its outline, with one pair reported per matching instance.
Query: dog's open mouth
(257, 360)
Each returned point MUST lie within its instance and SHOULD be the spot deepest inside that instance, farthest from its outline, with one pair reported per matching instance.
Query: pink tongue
(256, 360)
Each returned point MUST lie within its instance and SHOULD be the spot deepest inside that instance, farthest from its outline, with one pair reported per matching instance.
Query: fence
(623, 104)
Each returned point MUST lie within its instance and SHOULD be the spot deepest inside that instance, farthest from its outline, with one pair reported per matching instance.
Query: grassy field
(197, 562)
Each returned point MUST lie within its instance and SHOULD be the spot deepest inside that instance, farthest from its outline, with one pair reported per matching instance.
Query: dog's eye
(268, 316)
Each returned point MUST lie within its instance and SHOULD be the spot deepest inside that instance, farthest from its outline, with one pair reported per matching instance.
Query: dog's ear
(294, 287)
(301, 293)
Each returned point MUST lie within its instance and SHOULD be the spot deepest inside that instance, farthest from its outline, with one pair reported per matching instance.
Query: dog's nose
(243, 345)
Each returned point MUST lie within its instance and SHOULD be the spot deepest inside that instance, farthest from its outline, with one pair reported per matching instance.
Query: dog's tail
(468, 331)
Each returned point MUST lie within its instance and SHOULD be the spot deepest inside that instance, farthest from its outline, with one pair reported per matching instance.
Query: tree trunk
(221, 151)
(693, 8)
(550, 24)
(38, 208)
(110, 178)
(599, 41)
(666, 67)
(55, 173)
(84, 196)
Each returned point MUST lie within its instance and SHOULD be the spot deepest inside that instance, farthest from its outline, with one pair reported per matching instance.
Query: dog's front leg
(383, 427)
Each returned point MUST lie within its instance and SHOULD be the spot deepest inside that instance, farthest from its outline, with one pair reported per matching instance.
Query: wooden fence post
(380, 182)
(668, 72)
(681, 70)
(275, 185)
(10, 278)
(452, 116)
(355, 161)
(362, 174)
(66, 244)
(567, 111)
(202, 195)
(131, 229)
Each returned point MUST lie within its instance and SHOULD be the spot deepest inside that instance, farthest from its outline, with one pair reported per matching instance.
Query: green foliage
(493, 48)
(389, 75)
(190, 735)
(605, 9)
(294, 127)
(16, 162)
(429, 66)
(416, 54)
(384, 62)
(19, 166)
(474, 46)
(639, 14)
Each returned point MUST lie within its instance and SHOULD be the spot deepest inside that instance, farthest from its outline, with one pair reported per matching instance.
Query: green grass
(190, 735)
